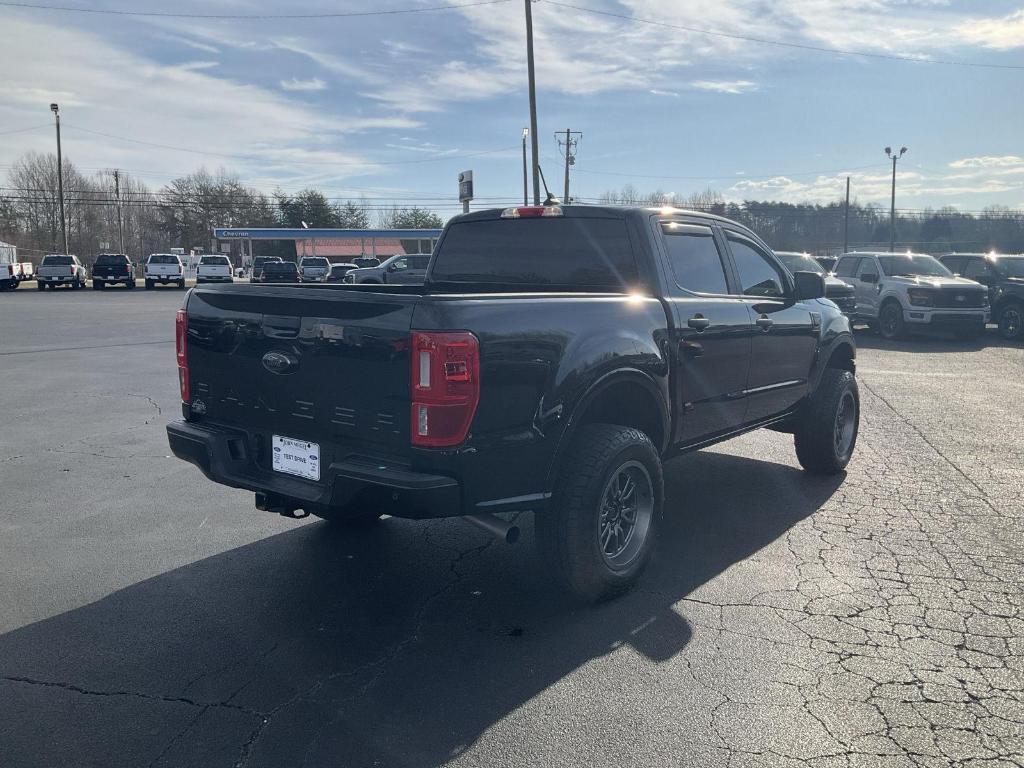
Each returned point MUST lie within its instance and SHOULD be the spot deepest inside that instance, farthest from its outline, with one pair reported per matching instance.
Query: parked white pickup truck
(164, 268)
(12, 271)
(60, 269)
(214, 269)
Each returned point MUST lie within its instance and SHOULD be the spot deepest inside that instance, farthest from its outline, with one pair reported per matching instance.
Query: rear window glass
(110, 259)
(557, 252)
(57, 261)
(163, 258)
(219, 261)
(277, 266)
(315, 261)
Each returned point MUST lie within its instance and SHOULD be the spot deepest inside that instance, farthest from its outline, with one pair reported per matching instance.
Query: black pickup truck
(1004, 278)
(111, 268)
(550, 362)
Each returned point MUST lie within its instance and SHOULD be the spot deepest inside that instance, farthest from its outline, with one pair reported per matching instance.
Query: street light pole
(533, 102)
(526, 189)
(892, 208)
(60, 179)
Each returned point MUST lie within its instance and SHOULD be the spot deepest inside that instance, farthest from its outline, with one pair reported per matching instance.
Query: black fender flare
(602, 383)
(843, 339)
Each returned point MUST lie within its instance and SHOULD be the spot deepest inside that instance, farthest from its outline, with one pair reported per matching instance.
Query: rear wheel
(890, 321)
(40, 286)
(149, 285)
(181, 284)
(826, 430)
(1011, 320)
(97, 285)
(599, 533)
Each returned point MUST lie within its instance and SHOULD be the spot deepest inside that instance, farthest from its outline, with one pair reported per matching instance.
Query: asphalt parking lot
(152, 618)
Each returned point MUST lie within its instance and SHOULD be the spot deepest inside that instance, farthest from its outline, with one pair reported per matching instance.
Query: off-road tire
(568, 533)
(818, 447)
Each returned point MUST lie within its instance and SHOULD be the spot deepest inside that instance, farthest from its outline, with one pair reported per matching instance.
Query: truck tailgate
(326, 366)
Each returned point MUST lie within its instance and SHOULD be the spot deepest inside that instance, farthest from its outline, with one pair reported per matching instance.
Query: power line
(249, 16)
(785, 44)
(24, 130)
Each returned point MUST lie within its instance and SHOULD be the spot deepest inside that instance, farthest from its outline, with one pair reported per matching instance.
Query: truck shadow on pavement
(400, 645)
(932, 342)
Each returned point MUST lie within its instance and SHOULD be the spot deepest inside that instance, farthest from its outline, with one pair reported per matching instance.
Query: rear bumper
(227, 457)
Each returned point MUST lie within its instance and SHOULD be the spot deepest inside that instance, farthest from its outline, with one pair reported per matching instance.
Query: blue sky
(392, 107)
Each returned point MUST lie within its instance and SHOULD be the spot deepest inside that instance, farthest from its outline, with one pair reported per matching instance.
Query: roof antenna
(550, 199)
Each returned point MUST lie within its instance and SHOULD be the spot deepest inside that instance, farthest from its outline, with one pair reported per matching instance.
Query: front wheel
(890, 321)
(597, 537)
(826, 430)
(1011, 321)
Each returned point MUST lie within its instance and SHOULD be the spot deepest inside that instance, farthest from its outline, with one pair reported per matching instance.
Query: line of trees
(819, 228)
(182, 213)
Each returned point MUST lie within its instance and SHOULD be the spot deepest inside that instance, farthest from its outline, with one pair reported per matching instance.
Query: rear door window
(976, 268)
(694, 257)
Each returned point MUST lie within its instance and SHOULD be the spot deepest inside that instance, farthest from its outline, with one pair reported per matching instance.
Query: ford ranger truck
(550, 363)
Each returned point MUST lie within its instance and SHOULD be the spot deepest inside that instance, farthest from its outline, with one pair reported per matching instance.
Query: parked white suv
(164, 268)
(900, 292)
(214, 269)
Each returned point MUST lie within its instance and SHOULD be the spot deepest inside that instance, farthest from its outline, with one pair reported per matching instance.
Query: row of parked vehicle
(400, 269)
(898, 293)
(59, 269)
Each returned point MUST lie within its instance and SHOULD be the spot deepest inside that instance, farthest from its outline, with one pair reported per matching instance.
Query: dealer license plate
(296, 457)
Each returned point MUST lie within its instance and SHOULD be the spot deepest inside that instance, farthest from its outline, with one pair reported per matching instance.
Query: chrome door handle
(764, 322)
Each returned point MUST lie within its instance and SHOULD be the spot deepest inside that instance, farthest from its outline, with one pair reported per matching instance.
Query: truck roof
(599, 211)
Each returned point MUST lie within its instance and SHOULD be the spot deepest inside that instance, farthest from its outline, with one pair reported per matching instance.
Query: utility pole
(60, 180)
(892, 209)
(846, 219)
(117, 195)
(570, 155)
(526, 188)
(533, 102)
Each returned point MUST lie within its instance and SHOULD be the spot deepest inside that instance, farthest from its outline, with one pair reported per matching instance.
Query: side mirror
(869, 277)
(809, 285)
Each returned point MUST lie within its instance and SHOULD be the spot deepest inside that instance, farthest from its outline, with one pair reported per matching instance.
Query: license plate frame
(292, 456)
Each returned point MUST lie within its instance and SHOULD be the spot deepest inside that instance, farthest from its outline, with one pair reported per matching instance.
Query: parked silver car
(411, 268)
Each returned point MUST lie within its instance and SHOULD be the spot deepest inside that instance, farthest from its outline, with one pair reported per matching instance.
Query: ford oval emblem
(280, 362)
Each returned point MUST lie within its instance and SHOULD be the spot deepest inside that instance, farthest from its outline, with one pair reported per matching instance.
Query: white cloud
(999, 34)
(988, 161)
(294, 84)
(735, 87)
(659, 92)
(105, 88)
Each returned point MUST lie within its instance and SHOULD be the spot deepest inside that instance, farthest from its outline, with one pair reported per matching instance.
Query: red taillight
(445, 387)
(181, 349)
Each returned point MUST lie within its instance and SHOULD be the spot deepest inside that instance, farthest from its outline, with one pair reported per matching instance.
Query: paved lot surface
(151, 618)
